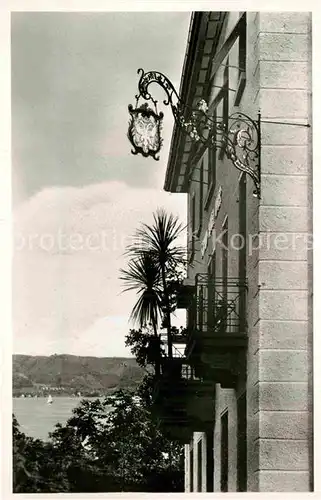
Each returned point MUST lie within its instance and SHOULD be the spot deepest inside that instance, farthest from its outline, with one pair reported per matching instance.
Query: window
(192, 235)
(236, 39)
(211, 291)
(241, 444)
(224, 452)
(211, 169)
(242, 226)
(212, 160)
(200, 204)
(225, 266)
(220, 107)
(225, 103)
(199, 465)
(191, 470)
(242, 61)
(201, 308)
(242, 252)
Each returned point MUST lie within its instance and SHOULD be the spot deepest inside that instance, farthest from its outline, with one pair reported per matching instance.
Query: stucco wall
(279, 434)
(280, 358)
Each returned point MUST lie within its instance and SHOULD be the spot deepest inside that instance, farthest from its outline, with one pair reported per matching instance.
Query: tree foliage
(116, 444)
(106, 445)
(146, 347)
(36, 465)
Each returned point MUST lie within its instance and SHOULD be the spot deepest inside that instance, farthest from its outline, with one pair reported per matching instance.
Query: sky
(78, 192)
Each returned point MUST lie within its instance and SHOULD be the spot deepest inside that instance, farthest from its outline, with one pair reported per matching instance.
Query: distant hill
(67, 374)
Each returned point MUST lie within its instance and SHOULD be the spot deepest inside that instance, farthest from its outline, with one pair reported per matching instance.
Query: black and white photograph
(162, 251)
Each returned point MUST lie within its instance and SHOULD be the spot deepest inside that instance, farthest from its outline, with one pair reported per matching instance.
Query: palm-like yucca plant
(159, 241)
(143, 276)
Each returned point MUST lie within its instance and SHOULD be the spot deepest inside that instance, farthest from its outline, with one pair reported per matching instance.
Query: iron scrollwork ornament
(241, 145)
(156, 77)
(145, 124)
(238, 135)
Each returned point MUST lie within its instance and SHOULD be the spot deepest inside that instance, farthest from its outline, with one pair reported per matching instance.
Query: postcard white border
(5, 209)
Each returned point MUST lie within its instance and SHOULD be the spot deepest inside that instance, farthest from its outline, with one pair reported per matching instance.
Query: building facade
(249, 256)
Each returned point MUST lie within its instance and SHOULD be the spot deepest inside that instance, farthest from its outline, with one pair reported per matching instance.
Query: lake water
(37, 418)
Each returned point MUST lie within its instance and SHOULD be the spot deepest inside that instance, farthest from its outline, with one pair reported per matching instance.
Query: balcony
(182, 403)
(217, 330)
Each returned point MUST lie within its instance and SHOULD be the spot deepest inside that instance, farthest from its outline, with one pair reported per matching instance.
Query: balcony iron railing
(209, 351)
(220, 305)
(217, 328)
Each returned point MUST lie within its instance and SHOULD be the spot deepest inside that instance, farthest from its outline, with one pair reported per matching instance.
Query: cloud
(69, 245)
(105, 337)
(97, 218)
(73, 76)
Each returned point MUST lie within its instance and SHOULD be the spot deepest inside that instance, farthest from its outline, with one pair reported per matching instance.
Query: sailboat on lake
(49, 400)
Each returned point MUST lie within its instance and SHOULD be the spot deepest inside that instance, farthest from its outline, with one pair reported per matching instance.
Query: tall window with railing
(224, 268)
(201, 301)
(200, 199)
(210, 171)
(234, 47)
(242, 252)
(192, 228)
(211, 291)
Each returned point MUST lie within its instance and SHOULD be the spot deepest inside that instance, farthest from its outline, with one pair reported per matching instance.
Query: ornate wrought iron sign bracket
(241, 142)
(238, 135)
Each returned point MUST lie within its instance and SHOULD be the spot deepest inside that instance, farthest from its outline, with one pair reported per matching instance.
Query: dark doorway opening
(224, 452)
(241, 444)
